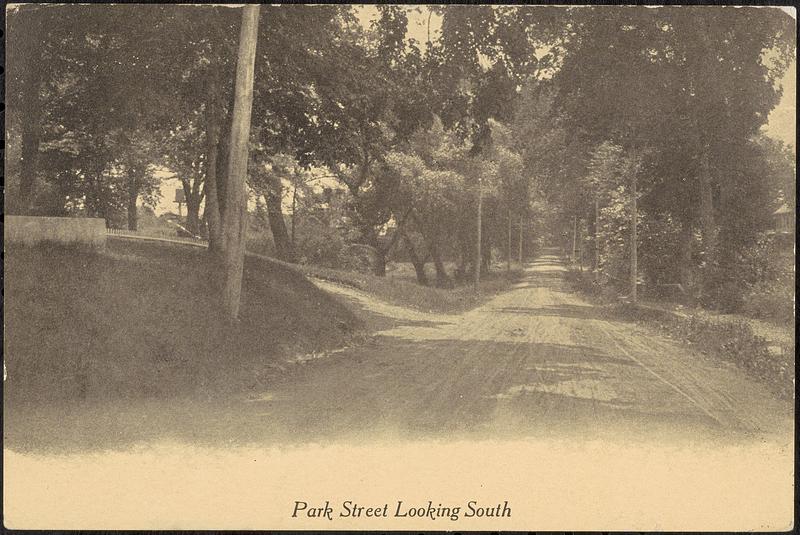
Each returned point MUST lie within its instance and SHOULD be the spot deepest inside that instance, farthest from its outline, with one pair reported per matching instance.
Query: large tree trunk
(596, 236)
(707, 222)
(634, 240)
(486, 253)
(380, 264)
(219, 126)
(294, 212)
(508, 249)
(442, 279)
(212, 210)
(194, 196)
(686, 267)
(193, 216)
(96, 200)
(416, 260)
(234, 224)
(219, 146)
(371, 239)
(369, 236)
(31, 107)
(133, 195)
(479, 237)
(466, 255)
(31, 116)
(274, 198)
(431, 238)
(223, 157)
(574, 238)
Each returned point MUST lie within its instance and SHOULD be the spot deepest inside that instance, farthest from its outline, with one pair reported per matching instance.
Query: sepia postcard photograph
(399, 267)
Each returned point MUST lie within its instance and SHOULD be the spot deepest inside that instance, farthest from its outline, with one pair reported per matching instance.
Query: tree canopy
(542, 116)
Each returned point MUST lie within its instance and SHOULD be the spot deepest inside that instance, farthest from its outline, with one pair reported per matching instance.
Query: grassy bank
(406, 292)
(141, 320)
(729, 337)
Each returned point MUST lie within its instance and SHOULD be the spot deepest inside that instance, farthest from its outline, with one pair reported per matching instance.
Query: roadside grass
(729, 337)
(402, 289)
(141, 320)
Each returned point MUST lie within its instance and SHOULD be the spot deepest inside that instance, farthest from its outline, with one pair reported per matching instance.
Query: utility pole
(634, 266)
(478, 248)
(574, 236)
(508, 250)
(294, 209)
(521, 221)
(596, 236)
(234, 223)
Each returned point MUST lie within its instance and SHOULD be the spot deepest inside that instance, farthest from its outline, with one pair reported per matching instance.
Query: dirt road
(534, 360)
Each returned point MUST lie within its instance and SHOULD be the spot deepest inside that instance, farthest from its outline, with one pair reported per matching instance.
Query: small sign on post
(180, 198)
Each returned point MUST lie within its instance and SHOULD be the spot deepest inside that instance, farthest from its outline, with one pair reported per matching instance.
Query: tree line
(508, 122)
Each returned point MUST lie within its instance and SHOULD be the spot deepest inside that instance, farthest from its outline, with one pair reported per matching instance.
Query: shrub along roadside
(771, 301)
(730, 339)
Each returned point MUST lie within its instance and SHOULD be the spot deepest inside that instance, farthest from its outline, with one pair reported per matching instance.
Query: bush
(585, 282)
(770, 301)
(726, 297)
(765, 260)
(581, 282)
(357, 257)
(318, 244)
(659, 249)
(260, 242)
(758, 282)
(731, 340)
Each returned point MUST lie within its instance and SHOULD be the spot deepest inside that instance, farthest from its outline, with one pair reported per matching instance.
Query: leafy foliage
(544, 110)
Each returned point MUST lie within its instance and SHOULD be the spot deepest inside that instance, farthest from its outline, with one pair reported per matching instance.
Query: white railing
(150, 236)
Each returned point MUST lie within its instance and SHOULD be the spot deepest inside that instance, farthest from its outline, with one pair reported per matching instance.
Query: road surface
(536, 360)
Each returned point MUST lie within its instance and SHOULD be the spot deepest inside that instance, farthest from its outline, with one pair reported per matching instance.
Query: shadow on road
(563, 311)
(491, 389)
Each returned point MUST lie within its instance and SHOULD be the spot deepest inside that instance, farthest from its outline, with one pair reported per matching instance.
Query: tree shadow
(401, 389)
(562, 310)
(376, 321)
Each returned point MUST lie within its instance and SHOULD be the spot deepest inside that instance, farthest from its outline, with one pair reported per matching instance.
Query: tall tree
(703, 79)
(266, 179)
